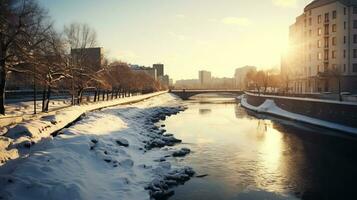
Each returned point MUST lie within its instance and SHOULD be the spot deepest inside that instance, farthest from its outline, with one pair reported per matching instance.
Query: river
(249, 156)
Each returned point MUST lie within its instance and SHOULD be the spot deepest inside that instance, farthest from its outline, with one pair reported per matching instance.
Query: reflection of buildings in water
(204, 111)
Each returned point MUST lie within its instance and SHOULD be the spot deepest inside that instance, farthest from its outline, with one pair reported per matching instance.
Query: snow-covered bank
(108, 154)
(269, 107)
(15, 139)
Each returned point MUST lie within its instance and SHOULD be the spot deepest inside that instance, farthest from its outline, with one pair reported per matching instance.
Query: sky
(186, 35)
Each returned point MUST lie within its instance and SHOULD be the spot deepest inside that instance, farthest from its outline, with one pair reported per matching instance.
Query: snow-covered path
(103, 156)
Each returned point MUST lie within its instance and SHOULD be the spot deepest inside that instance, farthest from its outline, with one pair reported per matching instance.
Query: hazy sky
(186, 35)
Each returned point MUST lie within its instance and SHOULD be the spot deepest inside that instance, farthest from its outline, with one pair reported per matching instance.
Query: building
(92, 57)
(187, 84)
(164, 80)
(204, 78)
(159, 69)
(147, 70)
(323, 48)
(240, 75)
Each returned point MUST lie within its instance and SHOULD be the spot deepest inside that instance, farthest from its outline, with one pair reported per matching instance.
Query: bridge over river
(186, 94)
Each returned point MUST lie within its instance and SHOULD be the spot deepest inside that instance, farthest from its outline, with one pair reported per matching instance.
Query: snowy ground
(269, 107)
(32, 130)
(108, 154)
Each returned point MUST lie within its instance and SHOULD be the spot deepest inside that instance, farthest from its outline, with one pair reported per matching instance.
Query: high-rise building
(159, 69)
(204, 77)
(323, 48)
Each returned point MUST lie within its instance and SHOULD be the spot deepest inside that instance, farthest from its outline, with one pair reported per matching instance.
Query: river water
(248, 156)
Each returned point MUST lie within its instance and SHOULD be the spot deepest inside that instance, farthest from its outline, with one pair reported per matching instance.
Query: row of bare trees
(30, 44)
(261, 80)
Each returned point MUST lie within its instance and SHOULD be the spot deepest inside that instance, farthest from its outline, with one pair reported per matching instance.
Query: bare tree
(83, 72)
(52, 65)
(22, 27)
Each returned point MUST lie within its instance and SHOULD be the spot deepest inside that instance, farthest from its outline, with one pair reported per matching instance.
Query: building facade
(323, 48)
(159, 69)
(240, 75)
(204, 77)
(92, 57)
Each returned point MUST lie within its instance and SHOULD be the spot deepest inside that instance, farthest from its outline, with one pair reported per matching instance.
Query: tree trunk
(48, 98)
(95, 95)
(103, 96)
(79, 96)
(43, 99)
(107, 95)
(2, 86)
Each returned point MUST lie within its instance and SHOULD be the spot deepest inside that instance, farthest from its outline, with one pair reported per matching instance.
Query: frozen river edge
(118, 152)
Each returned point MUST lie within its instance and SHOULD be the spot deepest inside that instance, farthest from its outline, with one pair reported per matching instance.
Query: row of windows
(325, 68)
(333, 54)
(327, 16)
(333, 29)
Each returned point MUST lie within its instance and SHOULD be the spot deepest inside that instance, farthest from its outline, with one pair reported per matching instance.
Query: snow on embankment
(25, 134)
(269, 107)
(116, 153)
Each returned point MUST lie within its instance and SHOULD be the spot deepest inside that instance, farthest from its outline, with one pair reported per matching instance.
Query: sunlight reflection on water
(245, 157)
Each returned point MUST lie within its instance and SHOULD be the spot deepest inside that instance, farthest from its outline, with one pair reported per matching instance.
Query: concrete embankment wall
(331, 111)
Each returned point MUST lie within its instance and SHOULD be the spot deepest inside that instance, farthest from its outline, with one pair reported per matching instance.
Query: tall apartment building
(159, 68)
(204, 77)
(323, 48)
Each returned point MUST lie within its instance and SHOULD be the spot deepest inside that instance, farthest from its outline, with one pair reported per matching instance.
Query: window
(334, 27)
(327, 29)
(319, 43)
(345, 25)
(334, 14)
(354, 53)
(344, 11)
(310, 21)
(344, 39)
(355, 38)
(326, 54)
(354, 68)
(344, 53)
(355, 24)
(319, 19)
(354, 9)
(344, 67)
(333, 54)
(319, 31)
(334, 41)
(327, 17)
(326, 39)
(319, 56)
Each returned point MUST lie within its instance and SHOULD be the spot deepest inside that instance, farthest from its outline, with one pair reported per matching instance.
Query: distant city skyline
(185, 35)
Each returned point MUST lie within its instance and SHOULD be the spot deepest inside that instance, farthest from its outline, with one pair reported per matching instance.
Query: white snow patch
(86, 162)
(27, 133)
(269, 107)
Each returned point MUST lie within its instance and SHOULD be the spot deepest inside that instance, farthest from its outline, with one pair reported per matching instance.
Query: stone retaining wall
(345, 114)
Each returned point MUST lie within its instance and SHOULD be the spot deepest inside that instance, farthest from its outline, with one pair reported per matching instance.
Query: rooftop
(319, 3)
